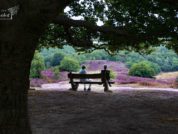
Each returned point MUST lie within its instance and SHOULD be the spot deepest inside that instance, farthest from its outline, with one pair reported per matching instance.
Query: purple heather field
(119, 68)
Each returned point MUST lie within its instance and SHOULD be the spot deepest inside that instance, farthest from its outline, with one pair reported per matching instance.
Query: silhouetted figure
(106, 79)
(83, 71)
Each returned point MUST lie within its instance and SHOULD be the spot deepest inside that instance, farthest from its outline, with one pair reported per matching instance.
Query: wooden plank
(90, 82)
(78, 82)
(85, 76)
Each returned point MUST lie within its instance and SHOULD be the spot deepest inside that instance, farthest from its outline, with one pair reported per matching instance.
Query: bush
(175, 65)
(50, 74)
(142, 69)
(57, 58)
(47, 75)
(47, 61)
(155, 66)
(37, 65)
(56, 72)
(112, 74)
(69, 64)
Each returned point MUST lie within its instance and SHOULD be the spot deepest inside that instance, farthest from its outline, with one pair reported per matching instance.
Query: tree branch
(65, 21)
(170, 2)
(78, 42)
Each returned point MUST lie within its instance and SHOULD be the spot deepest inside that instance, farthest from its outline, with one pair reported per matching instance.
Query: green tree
(132, 58)
(175, 64)
(164, 57)
(57, 58)
(69, 64)
(37, 65)
(47, 61)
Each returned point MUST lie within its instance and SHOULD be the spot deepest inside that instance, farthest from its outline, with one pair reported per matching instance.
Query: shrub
(47, 73)
(142, 69)
(48, 61)
(175, 65)
(69, 64)
(113, 74)
(50, 74)
(37, 65)
(56, 72)
(35, 82)
(56, 59)
(155, 66)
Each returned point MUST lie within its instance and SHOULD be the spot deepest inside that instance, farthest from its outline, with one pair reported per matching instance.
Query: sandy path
(125, 111)
(65, 86)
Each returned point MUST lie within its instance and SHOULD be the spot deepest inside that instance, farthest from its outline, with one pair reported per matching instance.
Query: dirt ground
(120, 112)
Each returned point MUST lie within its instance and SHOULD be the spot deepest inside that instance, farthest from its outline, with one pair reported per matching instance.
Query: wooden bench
(104, 79)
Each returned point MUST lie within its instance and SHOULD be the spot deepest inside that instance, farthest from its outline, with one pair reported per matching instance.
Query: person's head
(105, 67)
(83, 67)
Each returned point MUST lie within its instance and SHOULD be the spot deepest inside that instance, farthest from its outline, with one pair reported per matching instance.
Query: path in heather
(125, 111)
(65, 86)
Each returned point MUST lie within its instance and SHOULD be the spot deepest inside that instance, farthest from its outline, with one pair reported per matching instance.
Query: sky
(99, 23)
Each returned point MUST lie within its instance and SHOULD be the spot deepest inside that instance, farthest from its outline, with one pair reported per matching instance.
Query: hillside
(122, 74)
(122, 77)
(97, 65)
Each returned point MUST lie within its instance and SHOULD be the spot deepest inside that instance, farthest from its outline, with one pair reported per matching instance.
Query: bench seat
(91, 82)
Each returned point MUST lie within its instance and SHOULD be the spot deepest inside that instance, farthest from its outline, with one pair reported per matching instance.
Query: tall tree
(130, 24)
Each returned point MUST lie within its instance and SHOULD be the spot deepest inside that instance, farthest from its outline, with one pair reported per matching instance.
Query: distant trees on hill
(161, 59)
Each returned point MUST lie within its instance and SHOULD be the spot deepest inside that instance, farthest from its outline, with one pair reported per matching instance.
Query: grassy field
(169, 75)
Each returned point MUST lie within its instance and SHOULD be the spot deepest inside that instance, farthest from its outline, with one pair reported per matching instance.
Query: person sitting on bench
(83, 71)
(107, 74)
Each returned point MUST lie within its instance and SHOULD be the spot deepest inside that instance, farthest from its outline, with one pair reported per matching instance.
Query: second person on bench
(83, 71)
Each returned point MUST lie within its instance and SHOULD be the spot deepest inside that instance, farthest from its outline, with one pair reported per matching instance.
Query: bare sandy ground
(65, 86)
(125, 111)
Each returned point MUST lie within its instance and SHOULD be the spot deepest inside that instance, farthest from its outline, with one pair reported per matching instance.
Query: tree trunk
(18, 40)
(17, 46)
(14, 84)
(15, 59)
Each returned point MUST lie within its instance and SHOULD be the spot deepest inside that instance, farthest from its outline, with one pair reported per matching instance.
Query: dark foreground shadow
(125, 112)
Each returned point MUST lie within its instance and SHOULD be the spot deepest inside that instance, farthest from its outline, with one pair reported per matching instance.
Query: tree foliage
(56, 59)
(163, 59)
(166, 59)
(161, 56)
(69, 64)
(126, 25)
(37, 65)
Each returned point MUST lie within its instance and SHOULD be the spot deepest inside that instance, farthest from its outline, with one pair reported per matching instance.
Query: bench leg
(74, 86)
(106, 87)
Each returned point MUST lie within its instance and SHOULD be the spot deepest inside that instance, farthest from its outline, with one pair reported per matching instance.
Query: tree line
(67, 59)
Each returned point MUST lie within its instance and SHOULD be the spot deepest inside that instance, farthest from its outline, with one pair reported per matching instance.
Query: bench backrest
(104, 75)
(84, 76)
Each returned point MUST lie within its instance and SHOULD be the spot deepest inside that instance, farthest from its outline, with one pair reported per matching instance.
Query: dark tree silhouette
(127, 25)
